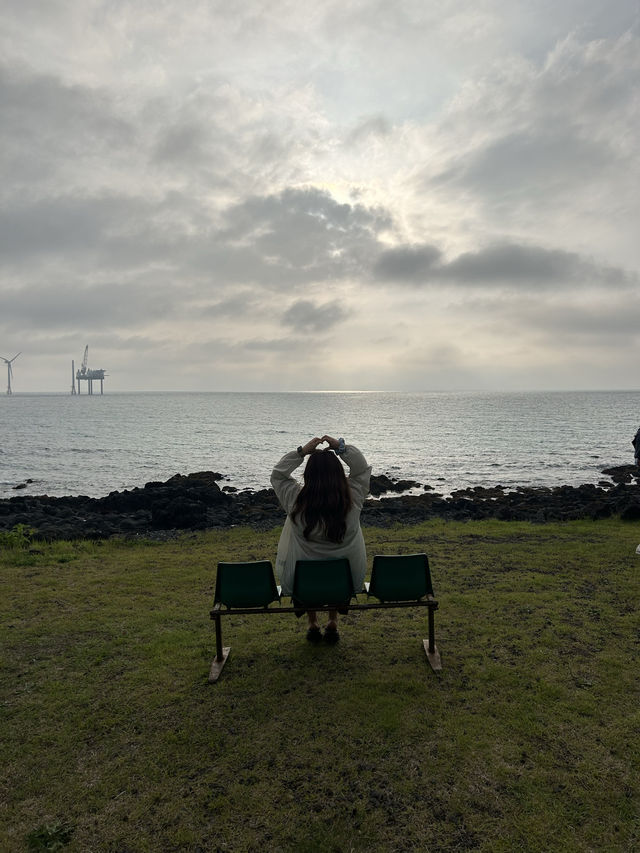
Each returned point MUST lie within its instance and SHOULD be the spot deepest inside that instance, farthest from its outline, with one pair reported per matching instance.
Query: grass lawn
(112, 739)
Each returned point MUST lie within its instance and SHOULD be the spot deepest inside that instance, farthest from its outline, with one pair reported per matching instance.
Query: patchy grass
(113, 740)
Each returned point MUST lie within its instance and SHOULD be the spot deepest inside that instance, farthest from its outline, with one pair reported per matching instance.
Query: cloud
(204, 191)
(529, 139)
(64, 224)
(181, 142)
(496, 266)
(611, 322)
(277, 345)
(294, 237)
(525, 265)
(52, 129)
(375, 125)
(407, 263)
(307, 316)
(238, 305)
(66, 308)
(279, 241)
(528, 161)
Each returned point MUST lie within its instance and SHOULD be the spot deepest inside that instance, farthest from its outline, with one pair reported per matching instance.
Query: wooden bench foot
(433, 657)
(217, 665)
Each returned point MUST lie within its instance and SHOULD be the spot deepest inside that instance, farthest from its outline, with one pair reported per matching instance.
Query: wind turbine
(8, 361)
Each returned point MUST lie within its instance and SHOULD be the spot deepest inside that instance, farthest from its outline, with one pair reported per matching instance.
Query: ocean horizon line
(151, 392)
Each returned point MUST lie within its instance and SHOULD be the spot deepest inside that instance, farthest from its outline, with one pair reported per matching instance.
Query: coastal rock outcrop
(623, 473)
(196, 502)
(381, 484)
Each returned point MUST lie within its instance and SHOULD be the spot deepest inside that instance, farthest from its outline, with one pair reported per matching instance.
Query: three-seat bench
(250, 589)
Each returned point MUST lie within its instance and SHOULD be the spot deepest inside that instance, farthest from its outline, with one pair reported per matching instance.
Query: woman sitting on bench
(323, 515)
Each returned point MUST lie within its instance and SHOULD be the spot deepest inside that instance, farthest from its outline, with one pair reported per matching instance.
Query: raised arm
(284, 485)
(359, 469)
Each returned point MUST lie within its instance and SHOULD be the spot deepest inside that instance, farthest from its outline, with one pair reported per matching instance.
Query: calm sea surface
(93, 445)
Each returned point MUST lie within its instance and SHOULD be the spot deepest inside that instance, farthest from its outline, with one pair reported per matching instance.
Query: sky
(353, 195)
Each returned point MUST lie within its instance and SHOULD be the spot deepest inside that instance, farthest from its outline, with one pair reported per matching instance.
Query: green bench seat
(249, 588)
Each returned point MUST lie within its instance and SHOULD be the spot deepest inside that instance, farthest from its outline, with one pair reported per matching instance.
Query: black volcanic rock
(179, 513)
(381, 484)
(623, 473)
(196, 502)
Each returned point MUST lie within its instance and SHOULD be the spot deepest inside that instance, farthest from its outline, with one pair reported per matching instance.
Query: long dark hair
(325, 498)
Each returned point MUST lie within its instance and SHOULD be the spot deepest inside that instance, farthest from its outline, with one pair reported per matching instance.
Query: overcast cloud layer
(361, 194)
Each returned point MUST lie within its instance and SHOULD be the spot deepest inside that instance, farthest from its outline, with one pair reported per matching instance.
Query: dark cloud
(127, 260)
(407, 263)
(296, 223)
(279, 241)
(180, 142)
(29, 100)
(49, 125)
(307, 316)
(496, 265)
(66, 307)
(296, 236)
(65, 224)
(510, 264)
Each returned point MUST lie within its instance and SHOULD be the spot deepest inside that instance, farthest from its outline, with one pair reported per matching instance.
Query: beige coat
(293, 546)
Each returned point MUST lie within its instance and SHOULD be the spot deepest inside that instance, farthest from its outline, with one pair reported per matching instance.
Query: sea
(91, 445)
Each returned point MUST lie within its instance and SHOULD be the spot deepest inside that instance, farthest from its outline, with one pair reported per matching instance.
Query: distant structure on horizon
(86, 374)
(8, 362)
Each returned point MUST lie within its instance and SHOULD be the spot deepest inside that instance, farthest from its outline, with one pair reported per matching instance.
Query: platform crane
(85, 373)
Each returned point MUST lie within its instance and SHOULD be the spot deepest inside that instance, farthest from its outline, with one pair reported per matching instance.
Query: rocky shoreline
(197, 502)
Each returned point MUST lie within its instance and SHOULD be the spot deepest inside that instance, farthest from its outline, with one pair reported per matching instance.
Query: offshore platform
(85, 374)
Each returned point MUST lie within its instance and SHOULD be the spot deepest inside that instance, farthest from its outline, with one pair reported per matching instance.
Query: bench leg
(433, 655)
(222, 652)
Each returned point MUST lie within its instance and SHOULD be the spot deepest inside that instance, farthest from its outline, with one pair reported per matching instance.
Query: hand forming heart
(313, 444)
